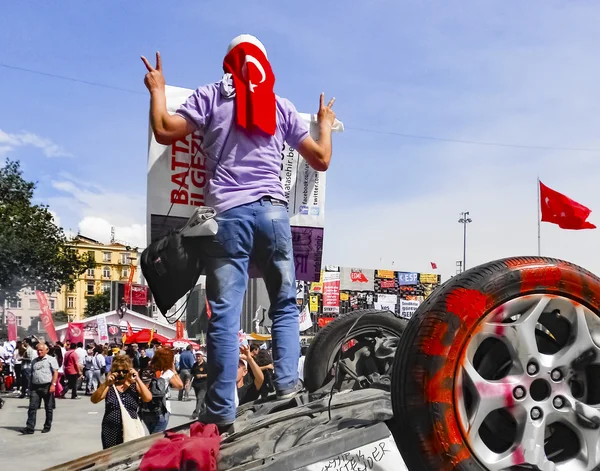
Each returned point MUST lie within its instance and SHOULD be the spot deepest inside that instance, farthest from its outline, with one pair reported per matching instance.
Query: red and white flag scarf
(253, 80)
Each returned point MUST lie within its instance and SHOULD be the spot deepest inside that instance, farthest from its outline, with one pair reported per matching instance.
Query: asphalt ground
(75, 431)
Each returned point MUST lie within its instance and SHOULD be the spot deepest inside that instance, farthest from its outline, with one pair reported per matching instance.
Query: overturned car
(497, 370)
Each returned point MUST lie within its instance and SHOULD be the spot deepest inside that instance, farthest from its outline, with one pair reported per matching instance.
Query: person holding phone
(156, 415)
(123, 380)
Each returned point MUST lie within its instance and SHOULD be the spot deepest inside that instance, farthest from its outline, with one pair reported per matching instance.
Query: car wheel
(366, 355)
(500, 369)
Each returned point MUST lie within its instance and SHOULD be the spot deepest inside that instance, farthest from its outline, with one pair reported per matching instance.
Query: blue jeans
(261, 231)
(155, 422)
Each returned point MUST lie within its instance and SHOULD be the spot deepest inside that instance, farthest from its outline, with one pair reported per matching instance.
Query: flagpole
(539, 218)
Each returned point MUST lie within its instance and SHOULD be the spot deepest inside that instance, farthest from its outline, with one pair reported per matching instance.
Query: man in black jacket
(199, 383)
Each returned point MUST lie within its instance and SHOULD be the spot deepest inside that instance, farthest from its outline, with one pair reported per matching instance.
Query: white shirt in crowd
(81, 354)
(17, 356)
(167, 375)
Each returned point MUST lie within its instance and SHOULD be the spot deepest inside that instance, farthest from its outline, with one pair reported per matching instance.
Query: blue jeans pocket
(226, 242)
(283, 236)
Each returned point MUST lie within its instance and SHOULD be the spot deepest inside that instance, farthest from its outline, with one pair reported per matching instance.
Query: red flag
(433, 265)
(46, 315)
(127, 291)
(254, 80)
(75, 333)
(178, 330)
(12, 326)
(129, 329)
(358, 277)
(208, 310)
(563, 211)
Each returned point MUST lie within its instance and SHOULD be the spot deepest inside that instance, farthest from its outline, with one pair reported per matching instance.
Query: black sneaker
(289, 393)
(27, 431)
(45, 430)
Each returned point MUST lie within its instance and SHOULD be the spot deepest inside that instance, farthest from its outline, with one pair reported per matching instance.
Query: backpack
(159, 388)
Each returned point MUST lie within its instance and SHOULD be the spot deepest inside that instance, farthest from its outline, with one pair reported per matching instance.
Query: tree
(21, 333)
(33, 249)
(97, 304)
(60, 317)
(33, 327)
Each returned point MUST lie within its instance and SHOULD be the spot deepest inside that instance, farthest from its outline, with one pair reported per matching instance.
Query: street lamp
(464, 220)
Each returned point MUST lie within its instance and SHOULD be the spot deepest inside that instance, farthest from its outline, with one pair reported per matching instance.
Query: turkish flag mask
(253, 80)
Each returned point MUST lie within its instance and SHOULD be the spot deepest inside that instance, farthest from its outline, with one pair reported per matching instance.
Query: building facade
(27, 308)
(113, 262)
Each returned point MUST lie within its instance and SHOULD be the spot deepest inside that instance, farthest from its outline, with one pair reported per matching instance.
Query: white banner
(102, 330)
(387, 299)
(385, 307)
(382, 455)
(408, 308)
(168, 167)
(305, 319)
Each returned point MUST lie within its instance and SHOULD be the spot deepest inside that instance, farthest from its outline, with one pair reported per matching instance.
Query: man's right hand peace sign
(326, 114)
(154, 79)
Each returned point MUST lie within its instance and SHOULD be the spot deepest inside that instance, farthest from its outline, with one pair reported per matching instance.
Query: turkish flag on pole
(561, 210)
(433, 265)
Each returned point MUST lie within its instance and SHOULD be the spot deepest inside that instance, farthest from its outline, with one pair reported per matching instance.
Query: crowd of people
(135, 378)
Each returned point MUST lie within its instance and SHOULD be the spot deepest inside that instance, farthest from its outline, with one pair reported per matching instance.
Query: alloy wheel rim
(525, 389)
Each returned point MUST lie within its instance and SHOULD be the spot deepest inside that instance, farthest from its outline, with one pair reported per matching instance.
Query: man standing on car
(244, 126)
(44, 375)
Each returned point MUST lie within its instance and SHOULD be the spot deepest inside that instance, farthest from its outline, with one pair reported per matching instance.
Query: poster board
(168, 169)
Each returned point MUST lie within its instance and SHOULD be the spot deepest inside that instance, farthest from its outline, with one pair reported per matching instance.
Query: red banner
(46, 315)
(139, 295)
(387, 284)
(12, 326)
(76, 332)
(127, 293)
(323, 321)
(178, 330)
(331, 292)
(136, 295)
(208, 310)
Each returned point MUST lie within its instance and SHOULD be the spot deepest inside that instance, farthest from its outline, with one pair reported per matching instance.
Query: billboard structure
(178, 176)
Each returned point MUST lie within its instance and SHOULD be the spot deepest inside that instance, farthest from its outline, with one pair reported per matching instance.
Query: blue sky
(499, 71)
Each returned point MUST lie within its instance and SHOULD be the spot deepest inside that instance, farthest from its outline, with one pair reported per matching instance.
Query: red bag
(177, 451)
(9, 380)
(201, 451)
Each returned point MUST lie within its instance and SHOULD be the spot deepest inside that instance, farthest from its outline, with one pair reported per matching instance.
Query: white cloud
(55, 218)
(94, 210)
(10, 141)
(510, 87)
(426, 229)
(100, 229)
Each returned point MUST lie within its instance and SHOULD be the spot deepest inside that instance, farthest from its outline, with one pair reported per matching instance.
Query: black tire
(426, 362)
(329, 340)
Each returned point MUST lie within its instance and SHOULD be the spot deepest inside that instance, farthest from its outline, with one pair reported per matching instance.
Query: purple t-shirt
(242, 166)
